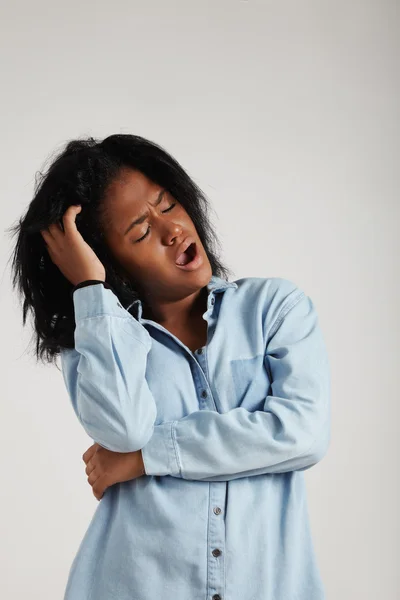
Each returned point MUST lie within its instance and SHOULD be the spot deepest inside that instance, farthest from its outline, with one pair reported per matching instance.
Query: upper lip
(184, 246)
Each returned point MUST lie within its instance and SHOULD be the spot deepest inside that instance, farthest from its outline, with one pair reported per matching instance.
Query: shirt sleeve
(105, 372)
(292, 432)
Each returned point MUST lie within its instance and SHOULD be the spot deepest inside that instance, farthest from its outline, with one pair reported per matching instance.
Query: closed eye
(148, 229)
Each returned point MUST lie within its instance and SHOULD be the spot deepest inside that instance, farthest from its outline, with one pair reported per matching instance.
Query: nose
(172, 231)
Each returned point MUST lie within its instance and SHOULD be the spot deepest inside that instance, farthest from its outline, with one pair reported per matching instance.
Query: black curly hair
(81, 174)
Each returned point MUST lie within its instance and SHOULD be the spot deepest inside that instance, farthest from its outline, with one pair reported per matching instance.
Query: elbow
(318, 452)
(120, 442)
(122, 438)
(318, 432)
(318, 449)
(138, 439)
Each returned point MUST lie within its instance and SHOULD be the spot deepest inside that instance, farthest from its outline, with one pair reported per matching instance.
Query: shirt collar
(215, 285)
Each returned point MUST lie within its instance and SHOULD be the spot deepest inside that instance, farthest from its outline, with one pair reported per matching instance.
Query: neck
(181, 311)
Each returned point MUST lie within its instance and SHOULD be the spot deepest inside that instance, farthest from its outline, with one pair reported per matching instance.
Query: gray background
(286, 114)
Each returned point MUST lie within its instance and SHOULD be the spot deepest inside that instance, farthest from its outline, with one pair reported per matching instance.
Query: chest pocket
(251, 382)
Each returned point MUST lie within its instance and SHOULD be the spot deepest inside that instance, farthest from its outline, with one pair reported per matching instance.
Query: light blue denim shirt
(226, 434)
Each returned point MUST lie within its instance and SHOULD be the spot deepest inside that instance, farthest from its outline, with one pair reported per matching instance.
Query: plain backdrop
(287, 116)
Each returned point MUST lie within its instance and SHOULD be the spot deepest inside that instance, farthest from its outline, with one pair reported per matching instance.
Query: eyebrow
(144, 215)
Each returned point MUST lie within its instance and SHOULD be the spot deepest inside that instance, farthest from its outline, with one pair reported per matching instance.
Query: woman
(206, 398)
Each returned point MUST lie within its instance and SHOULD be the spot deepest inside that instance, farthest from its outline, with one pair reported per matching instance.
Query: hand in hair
(69, 251)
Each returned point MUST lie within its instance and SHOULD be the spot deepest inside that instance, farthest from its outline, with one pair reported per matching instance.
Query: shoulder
(269, 297)
(276, 290)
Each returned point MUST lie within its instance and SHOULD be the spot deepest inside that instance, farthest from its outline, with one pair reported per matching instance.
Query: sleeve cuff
(97, 300)
(159, 454)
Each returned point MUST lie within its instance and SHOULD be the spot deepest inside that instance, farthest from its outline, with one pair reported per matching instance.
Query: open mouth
(188, 256)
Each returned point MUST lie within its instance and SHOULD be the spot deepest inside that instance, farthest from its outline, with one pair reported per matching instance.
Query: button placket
(217, 534)
(216, 540)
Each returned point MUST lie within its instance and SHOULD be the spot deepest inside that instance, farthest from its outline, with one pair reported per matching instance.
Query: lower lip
(193, 264)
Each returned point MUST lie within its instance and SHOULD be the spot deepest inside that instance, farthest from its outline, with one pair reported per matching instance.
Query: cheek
(155, 268)
(149, 260)
(125, 256)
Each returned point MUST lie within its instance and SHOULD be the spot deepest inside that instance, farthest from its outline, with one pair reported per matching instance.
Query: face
(147, 251)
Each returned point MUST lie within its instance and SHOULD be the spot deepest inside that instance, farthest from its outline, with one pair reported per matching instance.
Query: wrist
(90, 278)
(90, 282)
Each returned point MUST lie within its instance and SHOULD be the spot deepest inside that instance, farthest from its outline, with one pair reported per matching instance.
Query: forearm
(292, 432)
(105, 372)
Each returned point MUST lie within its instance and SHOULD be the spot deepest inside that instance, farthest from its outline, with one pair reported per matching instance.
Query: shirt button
(216, 597)
(204, 394)
(217, 510)
(216, 552)
(200, 351)
(212, 300)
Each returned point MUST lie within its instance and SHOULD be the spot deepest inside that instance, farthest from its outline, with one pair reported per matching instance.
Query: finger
(89, 467)
(93, 477)
(100, 486)
(47, 235)
(69, 218)
(49, 244)
(55, 230)
(90, 452)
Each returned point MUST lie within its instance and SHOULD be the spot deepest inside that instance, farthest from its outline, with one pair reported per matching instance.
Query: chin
(198, 279)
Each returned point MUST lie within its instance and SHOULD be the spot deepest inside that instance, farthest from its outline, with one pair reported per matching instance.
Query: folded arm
(292, 432)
